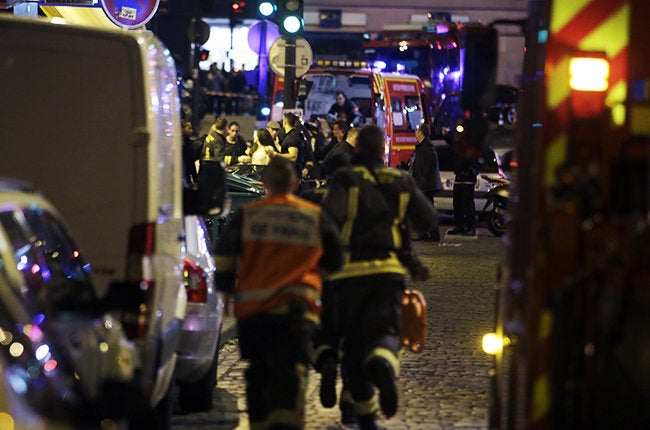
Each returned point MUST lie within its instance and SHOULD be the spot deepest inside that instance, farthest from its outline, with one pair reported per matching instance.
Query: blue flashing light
(381, 65)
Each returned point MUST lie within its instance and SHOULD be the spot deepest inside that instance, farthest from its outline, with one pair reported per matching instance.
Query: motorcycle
(495, 211)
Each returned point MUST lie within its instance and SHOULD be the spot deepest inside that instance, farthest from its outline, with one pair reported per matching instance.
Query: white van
(91, 118)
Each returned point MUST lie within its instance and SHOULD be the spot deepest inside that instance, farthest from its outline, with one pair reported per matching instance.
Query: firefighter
(270, 259)
(372, 203)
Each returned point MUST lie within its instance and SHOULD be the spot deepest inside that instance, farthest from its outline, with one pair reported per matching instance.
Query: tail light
(195, 281)
(139, 275)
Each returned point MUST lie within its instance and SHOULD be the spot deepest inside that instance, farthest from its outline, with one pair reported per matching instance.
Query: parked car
(489, 166)
(69, 360)
(196, 368)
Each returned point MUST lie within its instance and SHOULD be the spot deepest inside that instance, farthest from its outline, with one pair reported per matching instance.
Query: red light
(50, 365)
(196, 285)
(238, 7)
(141, 246)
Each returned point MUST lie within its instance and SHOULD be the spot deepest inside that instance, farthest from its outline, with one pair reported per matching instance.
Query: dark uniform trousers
(464, 208)
(278, 348)
(371, 309)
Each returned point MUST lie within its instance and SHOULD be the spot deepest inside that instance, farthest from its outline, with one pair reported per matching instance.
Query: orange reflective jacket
(281, 248)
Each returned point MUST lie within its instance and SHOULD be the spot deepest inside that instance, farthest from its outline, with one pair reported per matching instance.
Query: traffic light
(266, 9)
(237, 11)
(238, 7)
(289, 16)
(204, 54)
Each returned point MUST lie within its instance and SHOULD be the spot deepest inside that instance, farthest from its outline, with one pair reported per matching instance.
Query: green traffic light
(289, 16)
(292, 24)
(266, 9)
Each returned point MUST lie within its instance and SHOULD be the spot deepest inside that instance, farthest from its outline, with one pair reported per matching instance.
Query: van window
(413, 112)
(380, 111)
(398, 116)
(364, 107)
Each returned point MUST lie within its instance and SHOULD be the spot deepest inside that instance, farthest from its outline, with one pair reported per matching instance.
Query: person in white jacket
(261, 150)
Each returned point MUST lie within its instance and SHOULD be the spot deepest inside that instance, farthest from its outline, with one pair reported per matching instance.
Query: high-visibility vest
(281, 249)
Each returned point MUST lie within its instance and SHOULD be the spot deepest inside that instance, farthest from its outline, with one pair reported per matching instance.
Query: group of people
(226, 91)
(306, 145)
(279, 254)
(225, 143)
(425, 169)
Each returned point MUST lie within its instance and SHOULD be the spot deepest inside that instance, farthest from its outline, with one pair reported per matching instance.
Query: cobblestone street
(445, 387)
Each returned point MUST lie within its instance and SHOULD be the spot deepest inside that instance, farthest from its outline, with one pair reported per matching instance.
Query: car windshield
(55, 275)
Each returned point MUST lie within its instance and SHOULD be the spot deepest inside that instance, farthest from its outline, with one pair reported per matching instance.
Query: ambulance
(395, 102)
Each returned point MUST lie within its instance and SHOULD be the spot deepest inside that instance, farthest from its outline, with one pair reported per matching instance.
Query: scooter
(495, 211)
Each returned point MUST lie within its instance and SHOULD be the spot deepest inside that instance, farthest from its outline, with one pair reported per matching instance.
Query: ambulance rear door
(404, 113)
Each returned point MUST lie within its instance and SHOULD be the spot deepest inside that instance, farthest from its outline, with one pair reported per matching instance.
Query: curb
(228, 331)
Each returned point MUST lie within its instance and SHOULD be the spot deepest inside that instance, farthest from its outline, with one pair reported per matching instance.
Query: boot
(328, 370)
(367, 422)
(382, 375)
(348, 414)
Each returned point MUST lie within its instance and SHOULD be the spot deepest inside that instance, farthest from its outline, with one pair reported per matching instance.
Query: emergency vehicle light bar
(587, 73)
(354, 64)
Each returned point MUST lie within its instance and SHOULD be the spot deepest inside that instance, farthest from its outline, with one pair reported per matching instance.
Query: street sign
(304, 56)
(262, 34)
(130, 13)
(89, 3)
(297, 112)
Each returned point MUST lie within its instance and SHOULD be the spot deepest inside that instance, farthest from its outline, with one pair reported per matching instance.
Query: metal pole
(196, 93)
(262, 69)
(289, 72)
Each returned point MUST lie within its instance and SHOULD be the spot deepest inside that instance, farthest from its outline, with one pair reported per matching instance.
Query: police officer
(465, 146)
(276, 248)
(371, 203)
(212, 185)
(295, 147)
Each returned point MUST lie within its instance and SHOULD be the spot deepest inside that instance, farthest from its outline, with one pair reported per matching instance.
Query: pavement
(443, 388)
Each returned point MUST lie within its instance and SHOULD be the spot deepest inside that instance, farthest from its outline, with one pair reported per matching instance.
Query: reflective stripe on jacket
(370, 203)
(280, 251)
